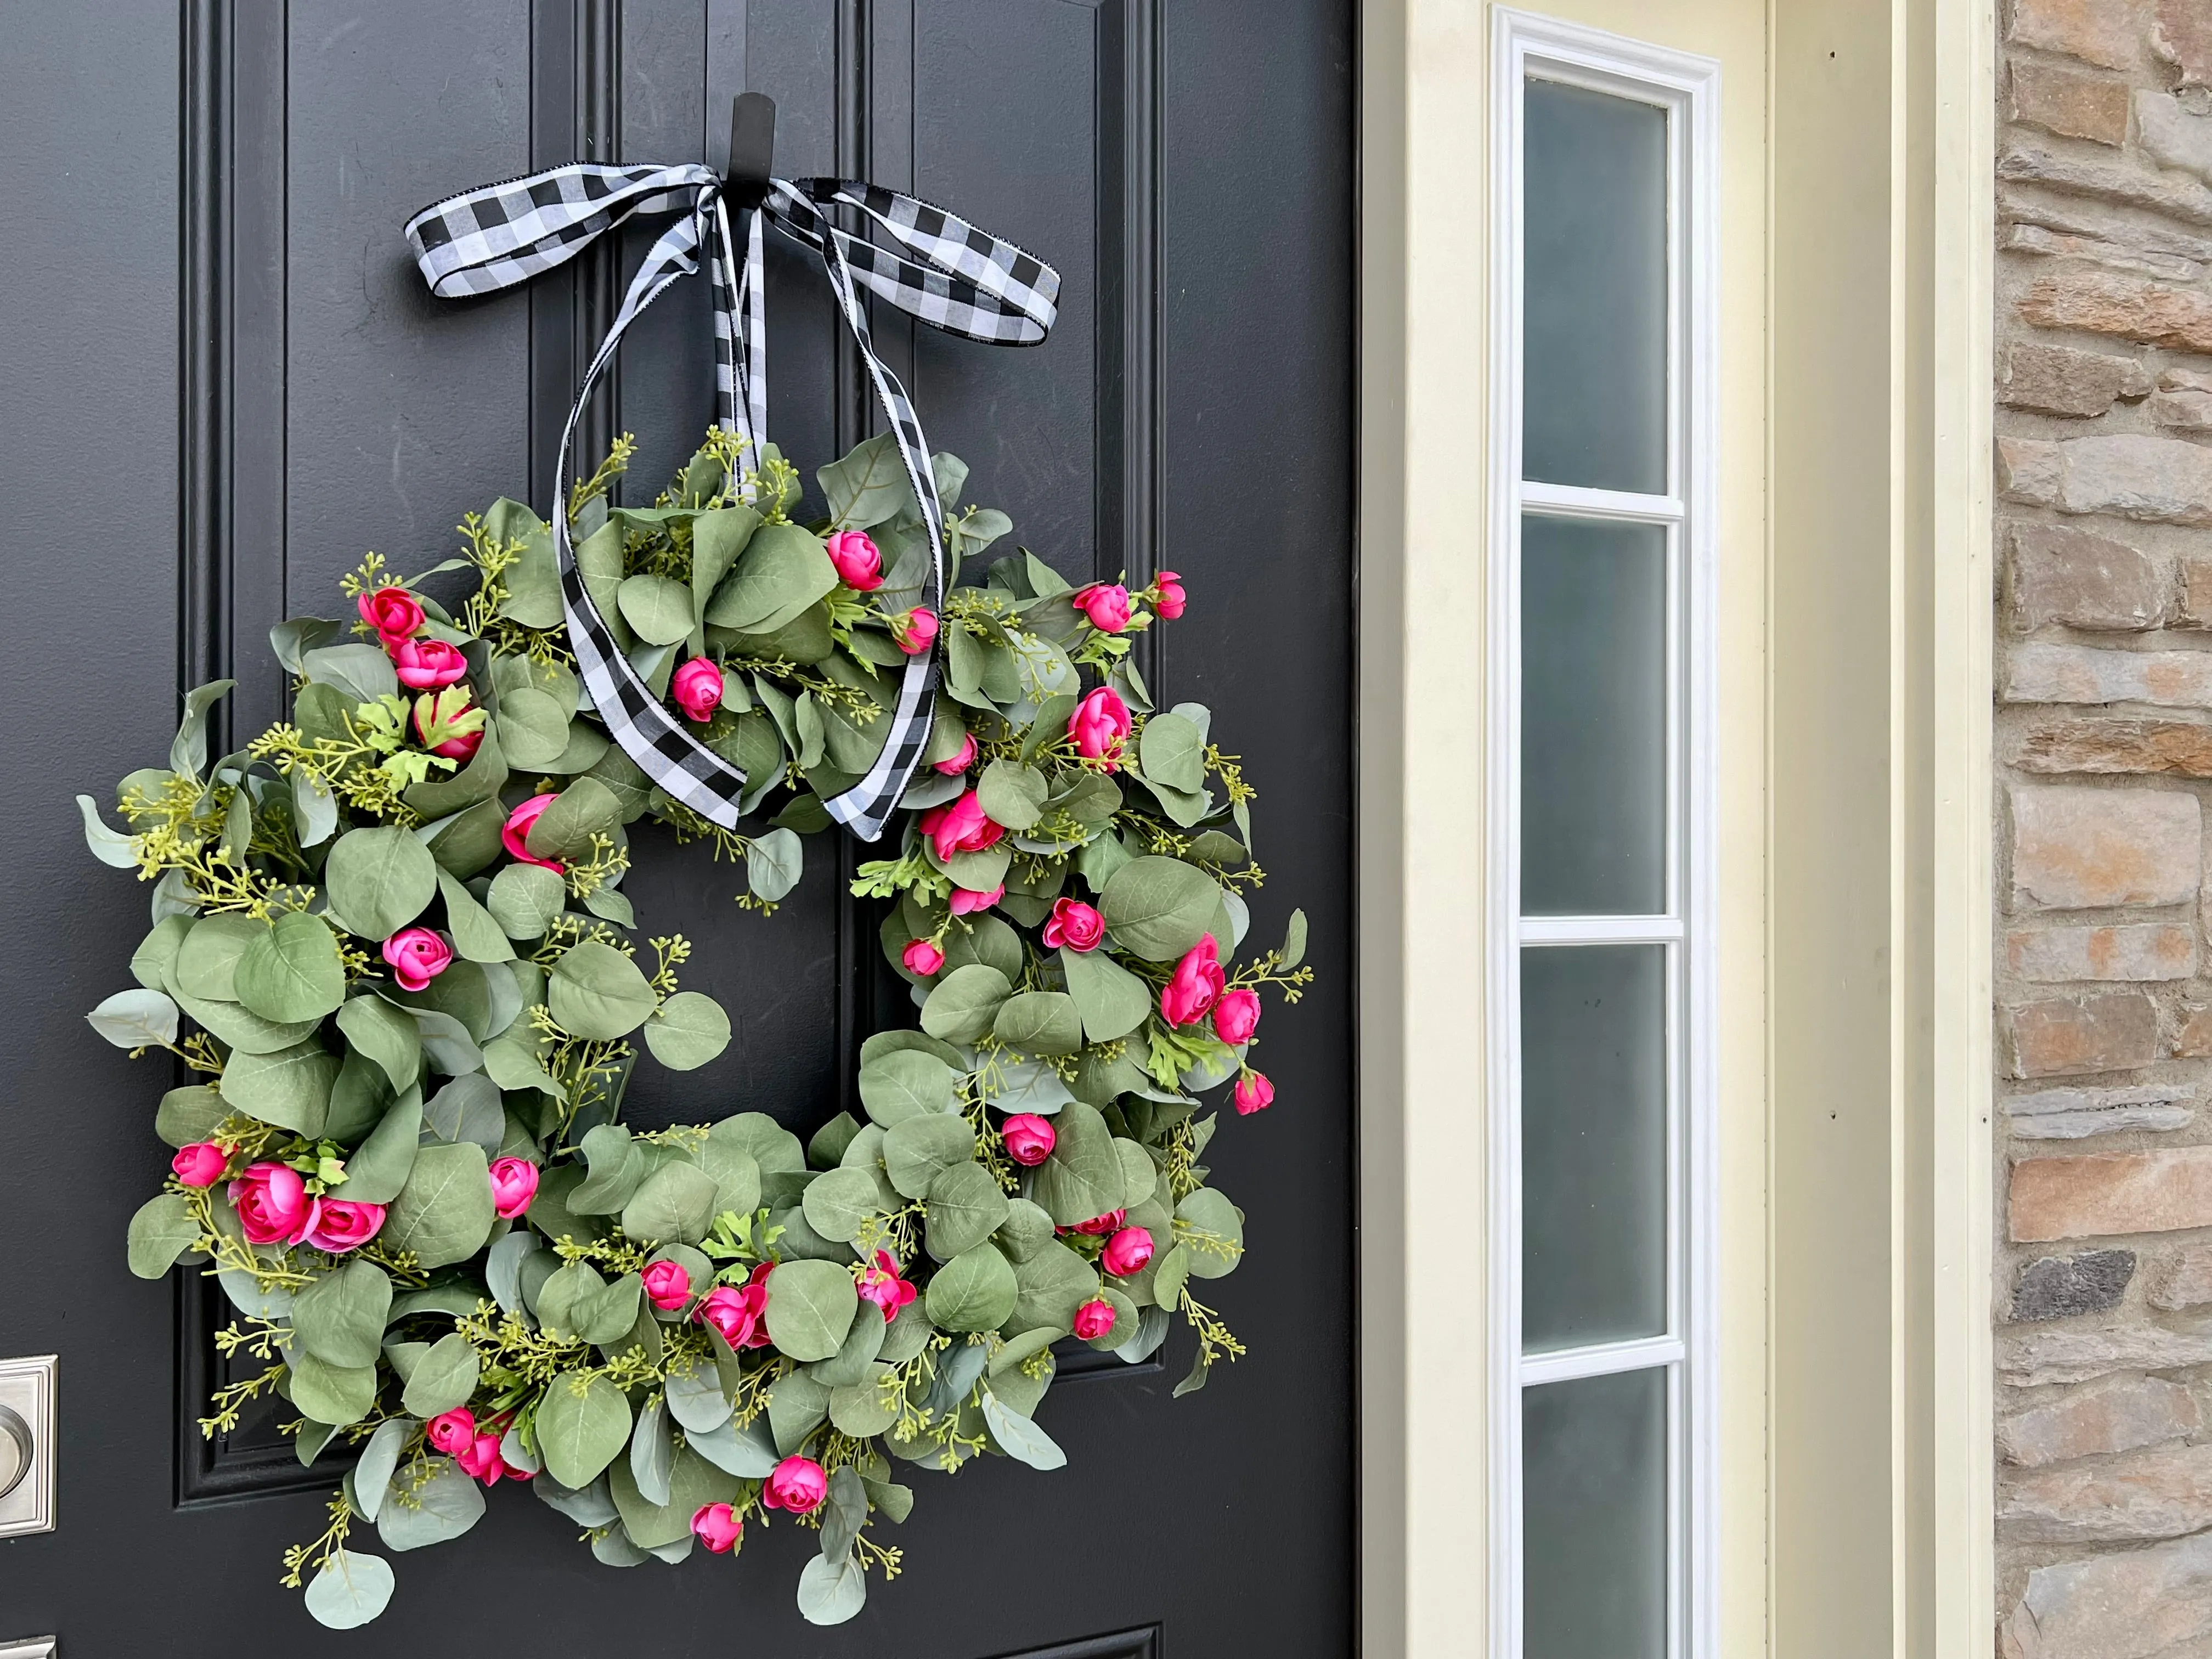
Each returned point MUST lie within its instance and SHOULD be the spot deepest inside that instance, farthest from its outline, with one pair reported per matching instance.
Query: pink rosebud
(514, 1184)
(1073, 924)
(426, 665)
(697, 689)
(393, 612)
(447, 723)
(482, 1461)
(200, 1164)
(273, 1205)
(1100, 725)
(1171, 597)
(717, 1527)
(1253, 1093)
(1127, 1252)
(961, 826)
(916, 631)
(1099, 1225)
(736, 1311)
(667, 1286)
(966, 901)
(514, 834)
(1237, 1016)
(860, 566)
(797, 1485)
(922, 957)
(1094, 1319)
(958, 763)
(452, 1432)
(1107, 604)
(345, 1224)
(881, 1286)
(1029, 1139)
(1196, 983)
(418, 955)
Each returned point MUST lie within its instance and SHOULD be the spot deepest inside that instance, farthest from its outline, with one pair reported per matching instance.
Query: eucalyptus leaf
(379, 1170)
(136, 1018)
(905, 1084)
(1113, 1001)
(111, 847)
(687, 1030)
(1159, 908)
(379, 1461)
(598, 993)
(336, 1394)
(773, 863)
(1040, 1022)
(583, 1422)
(974, 1291)
(659, 609)
(339, 1317)
(290, 1088)
(443, 1379)
(810, 1307)
(1020, 1438)
(444, 1214)
(386, 1034)
(433, 1511)
(1081, 1178)
(966, 1206)
(916, 1149)
(349, 1589)
(675, 1203)
(161, 1231)
(964, 1004)
(831, 1592)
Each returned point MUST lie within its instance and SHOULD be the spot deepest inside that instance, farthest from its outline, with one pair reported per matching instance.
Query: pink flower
(273, 1205)
(1094, 1319)
(1107, 604)
(959, 762)
(1100, 725)
(1196, 984)
(515, 834)
(717, 1527)
(966, 901)
(1237, 1016)
(426, 665)
(452, 1432)
(922, 957)
(393, 612)
(1099, 1225)
(514, 1184)
(697, 689)
(668, 1286)
(1127, 1252)
(1073, 924)
(446, 723)
(916, 631)
(860, 567)
(1253, 1093)
(482, 1460)
(418, 955)
(345, 1224)
(798, 1485)
(1029, 1139)
(200, 1164)
(738, 1312)
(881, 1286)
(961, 826)
(1170, 603)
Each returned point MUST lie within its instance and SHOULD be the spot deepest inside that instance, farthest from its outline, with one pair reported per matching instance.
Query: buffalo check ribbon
(940, 269)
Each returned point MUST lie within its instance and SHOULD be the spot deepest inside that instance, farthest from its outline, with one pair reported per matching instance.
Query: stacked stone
(2104, 741)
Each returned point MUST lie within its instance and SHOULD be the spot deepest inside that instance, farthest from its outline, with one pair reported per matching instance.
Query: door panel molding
(1125, 1644)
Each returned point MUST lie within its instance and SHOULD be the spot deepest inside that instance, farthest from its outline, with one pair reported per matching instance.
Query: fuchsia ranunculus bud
(426, 665)
(920, 957)
(1253, 1093)
(916, 631)
(954, 764)
(860, 566)
(881, 1286)
(1191, 991)
(345, 1224)
(967, 901)
(418, 955)
(1094, 1319)
(1100, 725)
(797, 1485)
(1029, 1139)
(447, 722)
(1237, 1016)
(1127, 1252)
(668, 1286)
(273, 1205)
(393, 612)
(514, 1184)
(515, 834)
(200, 1164)
(1172, 599)
(697, 689)
(961, 826)
(1106, 603)
(725, 1310)
(452, 1432)
(717, 1527)
(1099, 1225)
(1073, 924)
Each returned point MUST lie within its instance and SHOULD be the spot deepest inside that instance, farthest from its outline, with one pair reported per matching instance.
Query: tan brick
(2183, 1280)
(2034, 239)
(2087, 674)
(2194, 1040)
(2195, 609)
(2134, 1605)
(2063, 574)
(2184, 411)
(2107, 31)
(2077, 1114)
(2064, 101)
(2115, 746)
(2081, 849)
(2095, 219)
(2183, 35)
(2165, 1493)
(2128, 307)
(2105, 1418)
(2037, 1356)
(2158, 480)
(2055, 380)
(2064, 1039)
(2172, 134)
(2111, 1192)
(2181, 197)
(2143, 950)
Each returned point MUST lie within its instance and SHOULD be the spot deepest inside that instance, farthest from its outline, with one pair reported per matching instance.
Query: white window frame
(1689, 87)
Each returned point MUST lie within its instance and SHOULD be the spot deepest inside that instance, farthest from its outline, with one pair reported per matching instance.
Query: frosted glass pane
(1594, 290)
(1593, 718)
(1593, 1144)
(1594, 1577)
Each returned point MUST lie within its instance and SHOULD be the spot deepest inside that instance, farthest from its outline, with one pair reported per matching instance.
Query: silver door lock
(27, 1447)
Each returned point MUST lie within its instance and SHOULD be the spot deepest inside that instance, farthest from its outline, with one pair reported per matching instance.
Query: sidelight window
(1602, 1084)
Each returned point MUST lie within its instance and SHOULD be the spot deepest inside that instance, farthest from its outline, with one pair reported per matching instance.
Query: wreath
(390, 940)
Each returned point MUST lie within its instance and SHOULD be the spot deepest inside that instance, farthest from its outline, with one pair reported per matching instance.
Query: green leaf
(619, 1165)
(1026, 1229)
(974, 1291)
(749, 1453)
(868, 486)
(597, 992)
(1113, 1001)
(1294, 941)
(986, 939)
(582, 1424)
(525, 899)
(379, 1461)
(188, 753)
(1040, 1022)
(1172, 751)
(444, 1378)
(340, 1317)
(349, 1590)
(717, 538)
(379, 880)
(1159, 908)
(917, 1148)
(467, 1109)
(206, 963)
(859, 1411)
(1209, 1212)
(1012, 794)
(687, 1030)
(656, 608)
(358, 672)
(1168, 1279)
(652, 1457)
(385, 1034)
(111, 847)
(136, 1019)
(440, 1507)
(376, 1173)
(675, 1203)
(966, 1206)
(336, 1394)
(477, 783)
(1139, 1173)
(532, 729)
(838, 1202)
(290, 1088)
(905, 1084)
(782, 572)
(773, 863)
(1054, 1282)
(292, 970)
(190, 1114)
(314, 808)
(831, 1592)
(161, 1231)
(1081, 1178)
(810, 1307)
(477, 935)
(444, 1214)
(964, 1004)
(564, 829)
(1020, 1438)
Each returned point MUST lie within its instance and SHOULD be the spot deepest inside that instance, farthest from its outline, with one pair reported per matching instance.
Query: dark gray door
(224, 382)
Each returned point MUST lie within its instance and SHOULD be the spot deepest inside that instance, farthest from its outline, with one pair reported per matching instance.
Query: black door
(225, 383)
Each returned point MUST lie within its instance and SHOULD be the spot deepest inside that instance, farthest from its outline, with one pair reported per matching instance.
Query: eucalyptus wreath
(390, 945)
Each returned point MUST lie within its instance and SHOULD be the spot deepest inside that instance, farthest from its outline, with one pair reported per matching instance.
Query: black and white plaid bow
(962, 281)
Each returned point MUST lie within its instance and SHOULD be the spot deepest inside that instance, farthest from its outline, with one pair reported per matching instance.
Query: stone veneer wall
(2104, 721)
